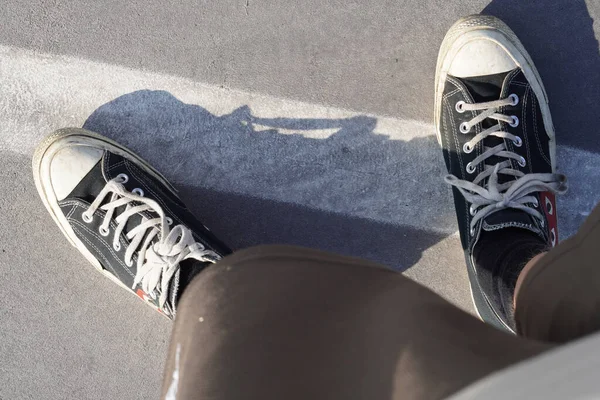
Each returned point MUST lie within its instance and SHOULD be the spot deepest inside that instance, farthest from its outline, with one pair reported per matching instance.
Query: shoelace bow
(488, 197)
(162, 250)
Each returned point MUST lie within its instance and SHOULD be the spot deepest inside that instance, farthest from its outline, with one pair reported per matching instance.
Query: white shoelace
(488, 198)
(158, 262)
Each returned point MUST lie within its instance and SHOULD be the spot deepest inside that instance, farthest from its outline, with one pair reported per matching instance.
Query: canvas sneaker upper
(494, 126)
(124, 216)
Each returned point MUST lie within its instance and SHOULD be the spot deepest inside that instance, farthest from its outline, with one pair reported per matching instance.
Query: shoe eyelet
(514, 98)
(522, 162)
(518, 141)
(472, 210)
(467, 148)
(515, 121)
(86, 217)
(169, 221)
(470, 168)
(122, 178)
(117, 246)
(549, 207)
(138, 191)
(104, 231)
(464, 128)
(460, 106)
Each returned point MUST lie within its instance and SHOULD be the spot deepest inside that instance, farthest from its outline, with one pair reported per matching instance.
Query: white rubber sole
(42, 159)
(476, 27)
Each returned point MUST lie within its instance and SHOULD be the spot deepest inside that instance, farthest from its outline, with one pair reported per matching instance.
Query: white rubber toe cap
(69, 166)
(481, 56)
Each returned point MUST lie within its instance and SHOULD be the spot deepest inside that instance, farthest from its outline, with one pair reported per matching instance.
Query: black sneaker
(493, 123)
(123, 216)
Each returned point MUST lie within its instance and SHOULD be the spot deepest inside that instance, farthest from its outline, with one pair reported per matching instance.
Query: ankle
(530, 266)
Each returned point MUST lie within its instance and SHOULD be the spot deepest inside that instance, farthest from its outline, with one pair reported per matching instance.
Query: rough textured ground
(304, 123)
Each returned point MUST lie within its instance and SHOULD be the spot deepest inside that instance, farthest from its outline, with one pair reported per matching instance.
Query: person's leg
(284, 325)
(358, 328)
(494, 125)
(281, 322)
(558, 297)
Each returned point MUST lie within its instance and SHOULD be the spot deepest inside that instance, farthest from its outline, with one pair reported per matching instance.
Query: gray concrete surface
(374, 56)
(303, 123)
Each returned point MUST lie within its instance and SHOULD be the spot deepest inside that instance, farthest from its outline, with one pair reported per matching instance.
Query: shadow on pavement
(560, 37)
(350, 169)
(247, 221)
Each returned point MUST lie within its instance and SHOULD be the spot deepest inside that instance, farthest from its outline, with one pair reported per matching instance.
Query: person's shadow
(257, 180)
(267, 180)
(560, 37)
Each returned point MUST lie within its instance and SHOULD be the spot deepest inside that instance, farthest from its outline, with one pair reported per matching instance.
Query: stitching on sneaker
(506, 225)
(84, 205)
(158, 199)
(455, 137)
(535, 130)
(458, 155)
(466, 96)
(116, 165)
(445, 129)
(71, 212)
(101, 239)
(68, 203)
(524, 123)
(82, 237)
(452, 93)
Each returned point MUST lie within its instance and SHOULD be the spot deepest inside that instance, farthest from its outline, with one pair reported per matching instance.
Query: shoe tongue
(485, 88)
(489, 88)
(510, 217)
